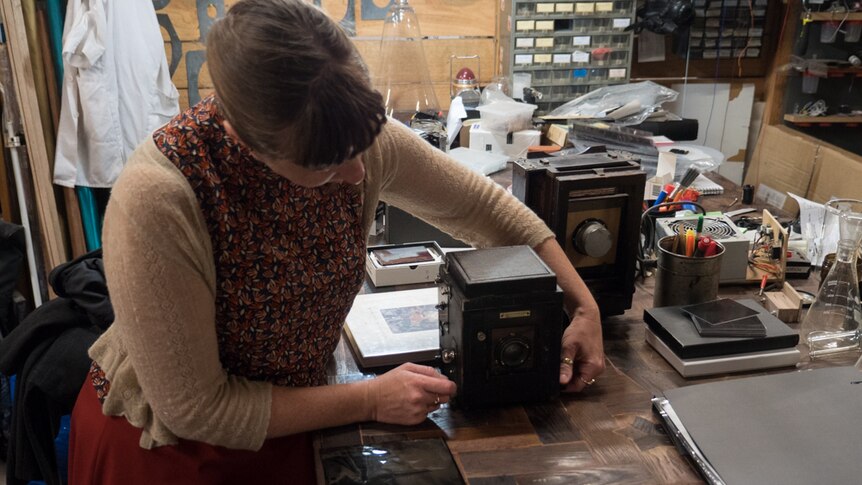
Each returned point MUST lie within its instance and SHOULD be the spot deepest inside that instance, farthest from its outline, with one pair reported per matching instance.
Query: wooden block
(557, 134)
(785, 304)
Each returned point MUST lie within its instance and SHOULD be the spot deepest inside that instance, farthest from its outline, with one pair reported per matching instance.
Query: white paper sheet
(812, 217)
(453, 119)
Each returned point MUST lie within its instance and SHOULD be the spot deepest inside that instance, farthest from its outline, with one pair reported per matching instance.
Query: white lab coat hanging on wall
(117, 88)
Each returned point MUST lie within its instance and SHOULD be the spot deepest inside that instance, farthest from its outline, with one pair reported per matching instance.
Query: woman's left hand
(582, 357)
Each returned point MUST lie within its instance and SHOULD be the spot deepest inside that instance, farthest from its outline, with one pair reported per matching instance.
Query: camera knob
(592, 238)
(448, 356)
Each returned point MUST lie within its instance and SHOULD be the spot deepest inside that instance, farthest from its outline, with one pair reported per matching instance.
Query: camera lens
(514, 352)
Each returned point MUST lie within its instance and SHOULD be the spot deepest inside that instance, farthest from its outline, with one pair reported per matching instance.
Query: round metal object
(592, 238)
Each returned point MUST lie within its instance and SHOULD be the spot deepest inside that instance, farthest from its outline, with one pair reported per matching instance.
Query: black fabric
(12, 253)
(48, 352)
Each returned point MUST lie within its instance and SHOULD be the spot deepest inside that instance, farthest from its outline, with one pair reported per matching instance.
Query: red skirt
(105, 450)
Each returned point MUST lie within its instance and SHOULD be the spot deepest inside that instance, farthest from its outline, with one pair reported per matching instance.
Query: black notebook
(799, 427)
(675, 328)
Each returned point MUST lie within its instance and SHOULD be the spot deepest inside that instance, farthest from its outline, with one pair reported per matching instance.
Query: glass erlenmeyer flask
(402, 76)
(832, 323)
(834, 208)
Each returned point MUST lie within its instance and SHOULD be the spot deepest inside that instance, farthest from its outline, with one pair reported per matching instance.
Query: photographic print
(394, 327)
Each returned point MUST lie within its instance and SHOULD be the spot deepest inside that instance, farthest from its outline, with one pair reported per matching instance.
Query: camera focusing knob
(448, 356)
(592, 238)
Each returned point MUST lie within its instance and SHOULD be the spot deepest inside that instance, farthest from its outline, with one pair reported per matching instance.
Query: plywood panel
(436, 17)
(437, 53)
(441, 90)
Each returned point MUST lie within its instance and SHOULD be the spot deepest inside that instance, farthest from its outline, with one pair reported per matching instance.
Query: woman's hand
(583, 356)
(406, 394)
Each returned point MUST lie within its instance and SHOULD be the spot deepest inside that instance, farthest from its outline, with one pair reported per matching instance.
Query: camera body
(501, 324)
(593, 203)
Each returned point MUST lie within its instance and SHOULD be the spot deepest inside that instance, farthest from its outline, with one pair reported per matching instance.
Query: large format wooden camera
(501, 324)
(593, 203)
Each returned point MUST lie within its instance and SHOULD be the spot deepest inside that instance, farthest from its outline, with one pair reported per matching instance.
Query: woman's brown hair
(292, 84)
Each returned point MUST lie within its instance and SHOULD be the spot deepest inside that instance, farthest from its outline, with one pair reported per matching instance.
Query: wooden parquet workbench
(606, 434)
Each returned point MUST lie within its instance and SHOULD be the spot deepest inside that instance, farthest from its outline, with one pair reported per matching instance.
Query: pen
(702, 246)
(700, 225)
(661, 196)
(763, 284)
(689, 243)
(711, 250)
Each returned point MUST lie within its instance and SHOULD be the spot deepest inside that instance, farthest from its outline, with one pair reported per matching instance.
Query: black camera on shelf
(501, 324)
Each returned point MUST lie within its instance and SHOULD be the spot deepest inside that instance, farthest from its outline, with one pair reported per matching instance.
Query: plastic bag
(626, 104)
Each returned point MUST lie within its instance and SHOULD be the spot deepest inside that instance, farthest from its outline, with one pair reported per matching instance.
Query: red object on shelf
(465, 74)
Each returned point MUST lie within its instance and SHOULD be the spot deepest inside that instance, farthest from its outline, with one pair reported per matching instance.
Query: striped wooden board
(452, 27)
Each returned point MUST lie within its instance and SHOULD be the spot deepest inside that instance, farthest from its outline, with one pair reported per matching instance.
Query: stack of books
(672, 332)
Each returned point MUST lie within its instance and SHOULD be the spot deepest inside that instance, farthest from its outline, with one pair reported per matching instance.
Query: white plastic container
(506, 116)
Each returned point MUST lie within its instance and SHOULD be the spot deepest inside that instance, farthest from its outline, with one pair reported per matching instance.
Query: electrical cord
(647, 234)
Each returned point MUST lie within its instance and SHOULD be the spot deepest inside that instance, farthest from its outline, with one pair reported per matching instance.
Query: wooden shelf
(827, 16)
(823, 120)
(843, 71)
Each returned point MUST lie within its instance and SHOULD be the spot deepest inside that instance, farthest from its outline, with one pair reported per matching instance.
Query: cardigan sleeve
(432, 186)
(161, 353)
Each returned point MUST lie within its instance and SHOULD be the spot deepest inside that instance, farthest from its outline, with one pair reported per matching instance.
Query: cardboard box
(382, 274)
(838, 174)
(787, 160)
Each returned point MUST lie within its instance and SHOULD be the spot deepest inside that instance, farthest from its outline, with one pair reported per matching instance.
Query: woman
(234, 246)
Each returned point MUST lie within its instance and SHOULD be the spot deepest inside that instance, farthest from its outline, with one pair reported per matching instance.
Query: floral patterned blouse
(289, 259)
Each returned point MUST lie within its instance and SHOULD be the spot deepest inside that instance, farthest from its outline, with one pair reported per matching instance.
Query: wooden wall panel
(451, 27)
(363, 18)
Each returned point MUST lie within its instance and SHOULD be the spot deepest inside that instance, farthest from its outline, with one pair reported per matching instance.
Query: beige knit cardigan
(161, 354)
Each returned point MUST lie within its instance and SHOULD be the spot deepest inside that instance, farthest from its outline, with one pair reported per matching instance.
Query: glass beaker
(832, 323)
(402, 76)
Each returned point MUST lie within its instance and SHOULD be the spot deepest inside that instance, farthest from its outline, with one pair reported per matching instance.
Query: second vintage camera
(593, 203)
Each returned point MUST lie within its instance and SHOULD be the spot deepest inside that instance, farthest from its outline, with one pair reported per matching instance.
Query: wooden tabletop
(606, 434)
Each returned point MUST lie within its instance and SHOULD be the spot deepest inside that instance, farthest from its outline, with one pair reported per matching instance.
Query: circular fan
(715, 228)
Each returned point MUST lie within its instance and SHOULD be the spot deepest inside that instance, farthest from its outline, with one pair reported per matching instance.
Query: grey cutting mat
(793, 428)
